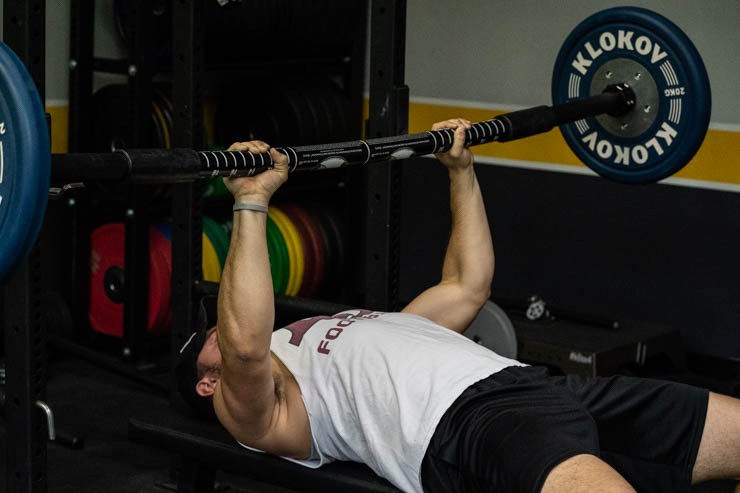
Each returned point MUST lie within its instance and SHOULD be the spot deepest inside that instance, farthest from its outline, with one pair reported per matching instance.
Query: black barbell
(179, 165)
(630, 92)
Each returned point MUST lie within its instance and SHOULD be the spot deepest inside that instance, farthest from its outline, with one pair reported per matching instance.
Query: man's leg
(719, 449)
(585, 473)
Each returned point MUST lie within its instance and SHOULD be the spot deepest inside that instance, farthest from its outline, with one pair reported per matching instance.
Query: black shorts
(506, 432)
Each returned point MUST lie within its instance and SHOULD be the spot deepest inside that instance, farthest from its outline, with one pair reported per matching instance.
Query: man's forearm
(246, 300)
(469, 259)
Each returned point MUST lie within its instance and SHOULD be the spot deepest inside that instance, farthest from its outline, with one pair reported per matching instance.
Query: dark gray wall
(653, 253)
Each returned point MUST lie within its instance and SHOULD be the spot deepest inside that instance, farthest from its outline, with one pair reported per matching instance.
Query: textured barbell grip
(323, 156)
(506, 127)
(233, 163)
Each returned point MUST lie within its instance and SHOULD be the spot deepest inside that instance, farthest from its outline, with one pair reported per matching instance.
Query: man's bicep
(445, 304)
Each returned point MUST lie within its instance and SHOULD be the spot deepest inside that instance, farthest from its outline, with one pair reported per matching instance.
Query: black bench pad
(209, 445)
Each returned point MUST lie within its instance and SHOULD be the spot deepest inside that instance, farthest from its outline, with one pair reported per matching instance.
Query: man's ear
(206, 386)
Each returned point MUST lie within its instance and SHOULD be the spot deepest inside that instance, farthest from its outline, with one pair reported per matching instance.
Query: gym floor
(94, 405)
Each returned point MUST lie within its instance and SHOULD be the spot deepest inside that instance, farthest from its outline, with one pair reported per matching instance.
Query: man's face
(209, 364)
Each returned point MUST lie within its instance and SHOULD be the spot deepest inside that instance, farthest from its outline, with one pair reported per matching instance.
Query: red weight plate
(314, 229)
(107, 254)
(307, 248)
(333, 247)
(310, 234)
(160, 251)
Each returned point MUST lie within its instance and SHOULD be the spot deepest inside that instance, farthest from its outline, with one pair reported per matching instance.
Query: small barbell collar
(625, 101)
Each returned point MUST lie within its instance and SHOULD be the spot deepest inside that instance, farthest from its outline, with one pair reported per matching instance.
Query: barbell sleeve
(178, 165)
(108, 167)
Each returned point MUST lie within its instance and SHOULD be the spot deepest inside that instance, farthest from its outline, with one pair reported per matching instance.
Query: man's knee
(585, 473)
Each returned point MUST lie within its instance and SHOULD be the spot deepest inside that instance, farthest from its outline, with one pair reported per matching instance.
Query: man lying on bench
(422, 405)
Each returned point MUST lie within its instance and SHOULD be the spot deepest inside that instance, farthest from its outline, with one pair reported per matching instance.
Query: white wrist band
(245, 206)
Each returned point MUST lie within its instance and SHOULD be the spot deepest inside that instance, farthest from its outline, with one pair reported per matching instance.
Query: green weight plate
(289, 287)
(218, 237)
(215, 188)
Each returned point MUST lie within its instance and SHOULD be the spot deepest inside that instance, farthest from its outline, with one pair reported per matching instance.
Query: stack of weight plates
(304, 243)
(305, 111)
(306, 249)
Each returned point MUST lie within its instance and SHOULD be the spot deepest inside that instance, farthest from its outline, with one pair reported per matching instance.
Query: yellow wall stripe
(718, 159)
(59, 128)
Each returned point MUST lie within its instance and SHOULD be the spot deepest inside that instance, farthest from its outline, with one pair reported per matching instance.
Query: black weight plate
(112, 124)
(300, 114)
(647, 49)
(331, 231)
(165, 106)
(266, 115)
(339, 103)
(25, 161)
(318, 116)
(326, 120)
(282, 109)
(160, 125)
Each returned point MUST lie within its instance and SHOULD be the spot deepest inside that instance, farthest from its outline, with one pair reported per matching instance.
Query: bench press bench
(205, 447)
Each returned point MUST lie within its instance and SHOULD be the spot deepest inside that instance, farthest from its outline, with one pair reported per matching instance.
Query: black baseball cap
(186, 370)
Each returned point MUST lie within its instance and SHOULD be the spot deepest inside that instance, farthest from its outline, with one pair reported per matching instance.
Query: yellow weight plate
(211, 265)
(163, 125)
(295, 238)
(291, 288)
(278, 252)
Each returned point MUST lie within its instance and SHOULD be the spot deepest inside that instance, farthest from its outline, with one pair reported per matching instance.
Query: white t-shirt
(376, 385)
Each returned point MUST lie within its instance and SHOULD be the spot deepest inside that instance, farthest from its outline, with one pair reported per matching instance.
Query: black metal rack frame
(24, 24)
(188, 79)
(140, 69)
(388, 116)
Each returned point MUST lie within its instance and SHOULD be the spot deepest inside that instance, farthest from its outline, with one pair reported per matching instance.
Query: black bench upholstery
(206, 447)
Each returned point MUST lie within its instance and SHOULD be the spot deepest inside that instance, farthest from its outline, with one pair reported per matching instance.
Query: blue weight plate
(25, 156)
(650, 53)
